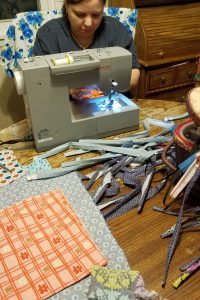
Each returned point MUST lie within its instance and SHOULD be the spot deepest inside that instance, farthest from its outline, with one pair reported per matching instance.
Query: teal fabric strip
(160, 123)
(137, 138)
(94, 160)
(128, 146)
(56, 172)
(186, 163)
(55, 150)
(177, 117)
(141, 155)
(75, 152)
(73, 166)
(120, 142)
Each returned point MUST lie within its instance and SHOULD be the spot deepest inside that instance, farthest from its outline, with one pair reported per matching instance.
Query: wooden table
(138, 234)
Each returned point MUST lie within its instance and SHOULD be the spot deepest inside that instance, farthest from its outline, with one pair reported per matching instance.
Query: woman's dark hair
(74, 2)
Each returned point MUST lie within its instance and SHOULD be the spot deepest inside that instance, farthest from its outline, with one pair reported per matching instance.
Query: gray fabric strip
(131, 201)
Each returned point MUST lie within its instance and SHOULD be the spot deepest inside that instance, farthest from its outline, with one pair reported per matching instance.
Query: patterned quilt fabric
(44, 248)
(8, 160)
(112, 284)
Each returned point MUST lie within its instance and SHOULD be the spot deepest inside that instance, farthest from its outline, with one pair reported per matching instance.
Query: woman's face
(85, 17)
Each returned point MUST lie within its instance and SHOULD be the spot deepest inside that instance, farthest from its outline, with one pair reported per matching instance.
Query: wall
(11, 104)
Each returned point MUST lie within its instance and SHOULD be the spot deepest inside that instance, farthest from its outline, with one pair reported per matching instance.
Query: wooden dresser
(121, 3)
(141, 3)
(167, 41)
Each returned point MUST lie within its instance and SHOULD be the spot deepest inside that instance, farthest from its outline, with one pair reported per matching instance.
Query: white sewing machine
(44, 81)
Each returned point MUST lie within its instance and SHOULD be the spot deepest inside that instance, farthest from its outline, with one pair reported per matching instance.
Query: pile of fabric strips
(131, 161)
(50, 243)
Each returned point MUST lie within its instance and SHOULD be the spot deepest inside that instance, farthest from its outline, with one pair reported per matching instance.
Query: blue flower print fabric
(21, 33)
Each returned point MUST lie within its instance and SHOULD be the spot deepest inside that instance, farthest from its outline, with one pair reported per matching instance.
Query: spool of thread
(68, 59)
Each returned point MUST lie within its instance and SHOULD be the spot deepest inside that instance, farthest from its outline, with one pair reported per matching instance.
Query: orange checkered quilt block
(44, 248)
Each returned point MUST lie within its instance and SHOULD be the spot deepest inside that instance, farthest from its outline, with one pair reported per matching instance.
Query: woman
(83, 26)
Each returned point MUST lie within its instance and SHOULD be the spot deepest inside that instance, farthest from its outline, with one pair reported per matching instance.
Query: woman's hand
(76, 93)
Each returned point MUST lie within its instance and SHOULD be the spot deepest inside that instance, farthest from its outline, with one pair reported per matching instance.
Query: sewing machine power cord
(27, 138)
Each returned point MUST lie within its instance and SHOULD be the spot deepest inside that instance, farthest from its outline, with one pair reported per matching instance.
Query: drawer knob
(163, 79)
(183, 99)
(190, 74)
(161, 54)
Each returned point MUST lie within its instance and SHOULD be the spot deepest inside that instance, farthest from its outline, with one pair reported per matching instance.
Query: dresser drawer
(158, 79)
(185, 72)
(177, 94)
